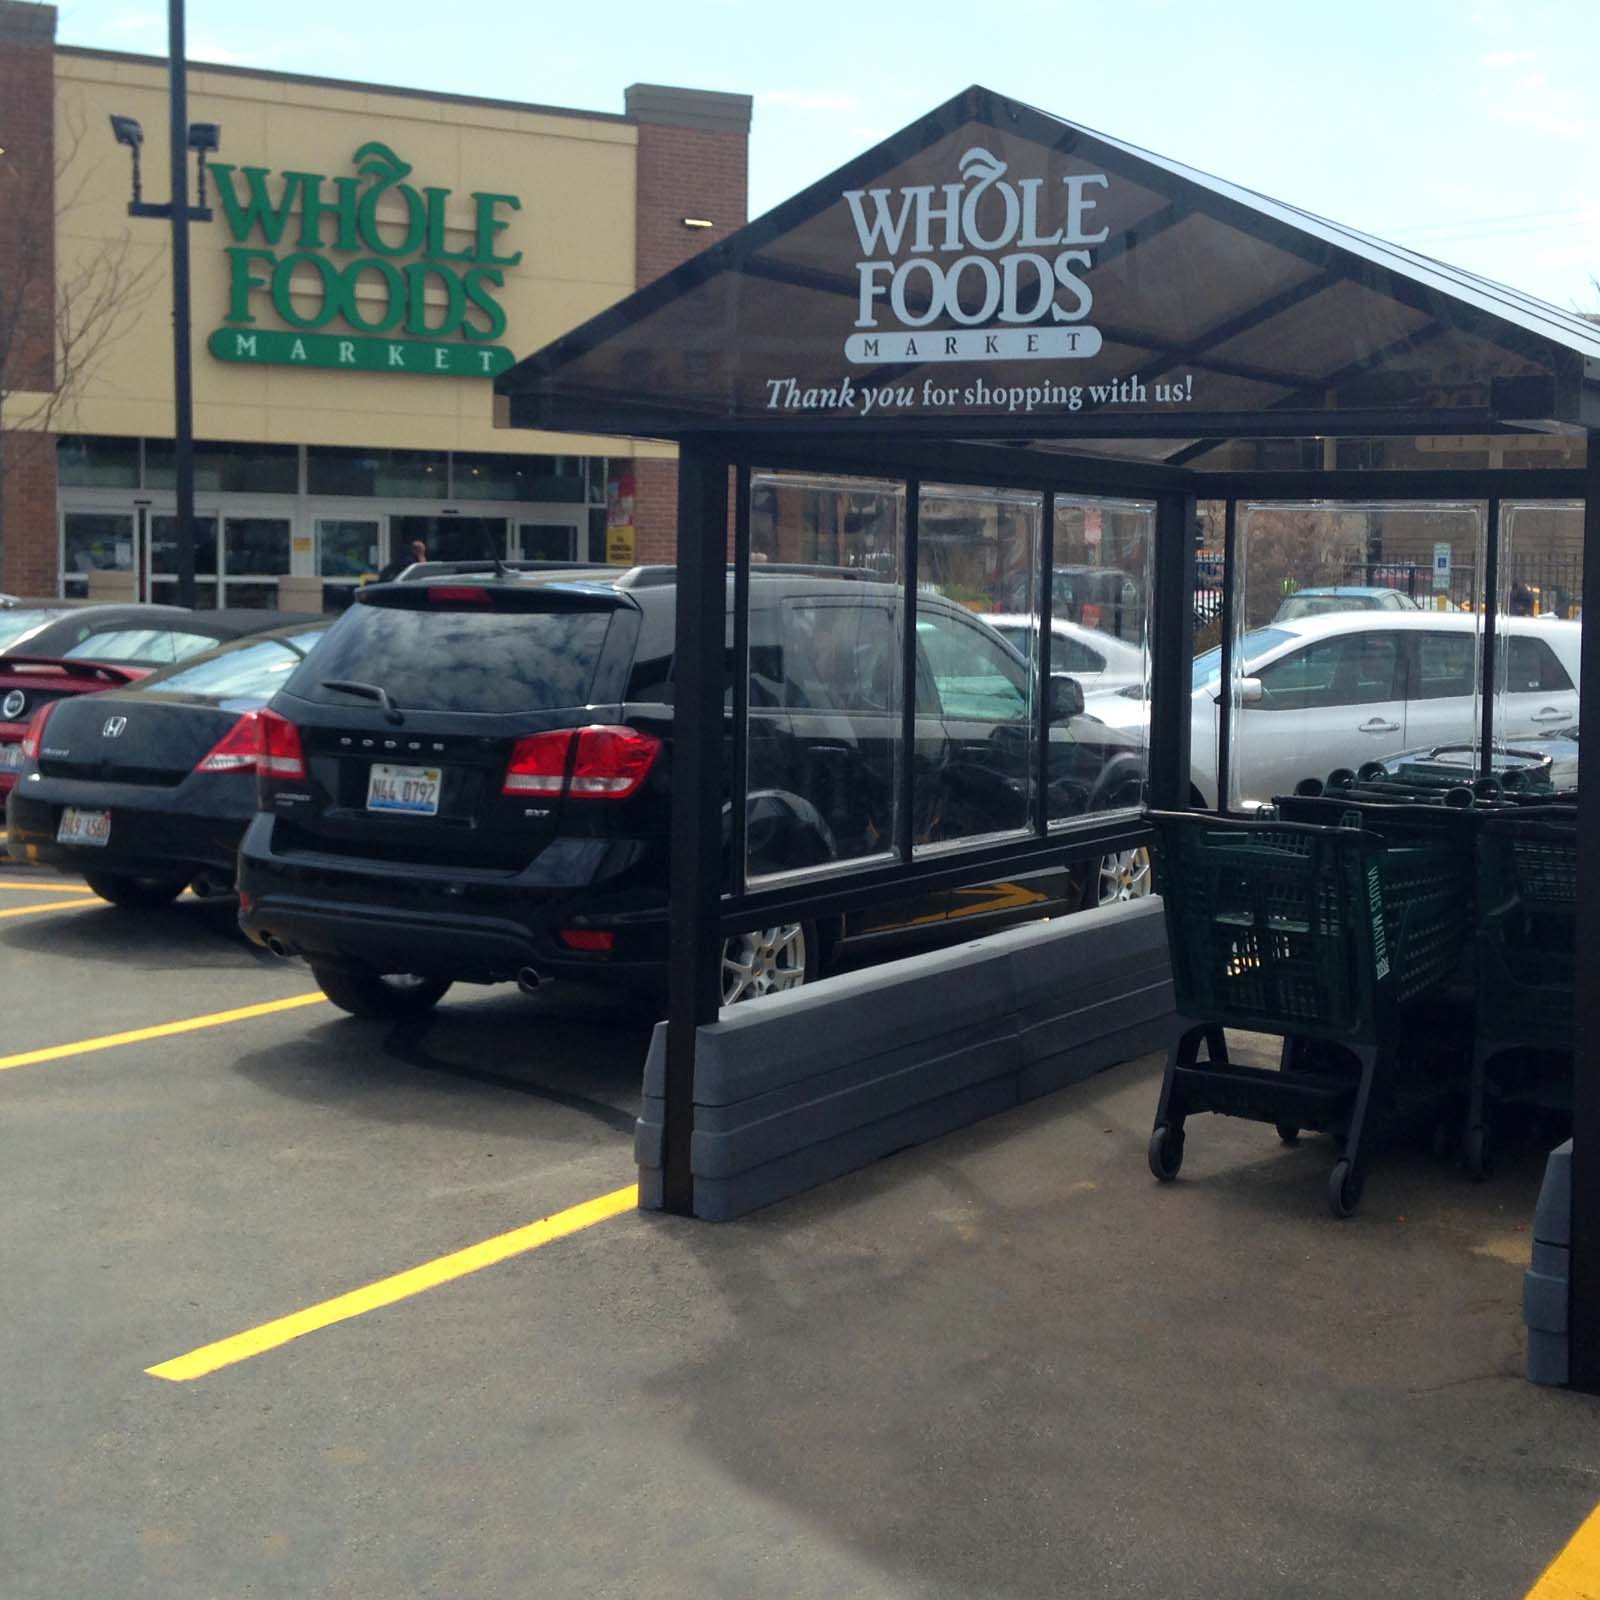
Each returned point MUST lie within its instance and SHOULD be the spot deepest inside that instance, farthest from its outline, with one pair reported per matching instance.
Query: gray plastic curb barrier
(799, 1088)
(1544, 1285)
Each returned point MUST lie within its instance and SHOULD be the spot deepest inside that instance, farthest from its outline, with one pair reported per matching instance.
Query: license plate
(84, 827)
(413, 791)
(10, 757)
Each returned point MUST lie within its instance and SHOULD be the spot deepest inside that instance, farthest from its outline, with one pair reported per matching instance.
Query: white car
(1099, 661)
(1319, 693)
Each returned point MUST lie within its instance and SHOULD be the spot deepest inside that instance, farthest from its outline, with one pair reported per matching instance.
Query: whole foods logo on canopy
(360, 271)
(1005, 261)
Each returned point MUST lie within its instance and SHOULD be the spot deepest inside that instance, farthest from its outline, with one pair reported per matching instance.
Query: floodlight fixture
(206, 137)
(127, 131)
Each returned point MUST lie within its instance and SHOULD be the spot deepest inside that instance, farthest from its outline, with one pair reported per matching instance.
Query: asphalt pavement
(1005, 1364)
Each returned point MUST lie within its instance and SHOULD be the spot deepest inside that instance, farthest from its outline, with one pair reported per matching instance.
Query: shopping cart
(1327, 937)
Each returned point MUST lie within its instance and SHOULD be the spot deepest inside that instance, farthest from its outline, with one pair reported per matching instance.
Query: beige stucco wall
(575, 177)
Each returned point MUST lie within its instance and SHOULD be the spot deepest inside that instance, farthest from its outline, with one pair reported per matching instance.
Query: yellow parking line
(162, 1030)
(46, 888)
(400, 1286)
(79, 904)
(1575, 1573)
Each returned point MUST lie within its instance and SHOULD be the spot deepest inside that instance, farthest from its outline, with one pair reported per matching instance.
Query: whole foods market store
(998, 354)
(370, 258)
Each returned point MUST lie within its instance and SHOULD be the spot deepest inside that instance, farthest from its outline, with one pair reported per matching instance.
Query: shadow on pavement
(580, 1051)
(189, 932)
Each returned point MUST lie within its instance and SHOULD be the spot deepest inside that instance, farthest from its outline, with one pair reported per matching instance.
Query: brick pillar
(27, 288)
(693, 162)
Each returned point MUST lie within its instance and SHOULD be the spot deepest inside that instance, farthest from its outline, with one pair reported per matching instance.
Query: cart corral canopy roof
(993, 271)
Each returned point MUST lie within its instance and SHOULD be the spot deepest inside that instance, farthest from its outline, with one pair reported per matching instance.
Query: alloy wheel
(1124, 875)
(764, 961)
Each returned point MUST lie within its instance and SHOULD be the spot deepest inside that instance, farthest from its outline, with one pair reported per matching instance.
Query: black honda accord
(146, 790)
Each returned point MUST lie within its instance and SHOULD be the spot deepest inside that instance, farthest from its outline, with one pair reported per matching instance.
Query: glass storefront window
(85, 461)
(227, 468)
(486, 476)
(94, 541)
(448, 538)
(394, 474)
(346, 548)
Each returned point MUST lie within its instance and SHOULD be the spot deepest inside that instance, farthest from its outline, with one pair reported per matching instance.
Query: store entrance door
(448, 538)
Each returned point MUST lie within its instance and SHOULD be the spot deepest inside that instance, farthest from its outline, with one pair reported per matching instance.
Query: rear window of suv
(438, 660)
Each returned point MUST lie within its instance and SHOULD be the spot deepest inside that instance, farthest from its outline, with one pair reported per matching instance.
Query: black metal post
(1044, 610)
(905, 841)
(1583, 1320)
(694, 987)
(1172, 652)
(739, 666)
(182, 377)
(1230, 555)
(1491, 644)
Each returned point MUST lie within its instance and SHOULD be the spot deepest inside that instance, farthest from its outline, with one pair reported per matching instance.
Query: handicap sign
(1441, 566)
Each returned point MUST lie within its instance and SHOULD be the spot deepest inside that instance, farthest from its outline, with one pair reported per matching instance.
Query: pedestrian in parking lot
(419, 552)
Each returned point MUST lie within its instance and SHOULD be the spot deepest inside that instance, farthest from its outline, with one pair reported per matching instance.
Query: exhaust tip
(277, 946)
(527, 980)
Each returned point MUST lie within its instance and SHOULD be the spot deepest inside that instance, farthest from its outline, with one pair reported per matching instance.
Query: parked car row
(467, 776)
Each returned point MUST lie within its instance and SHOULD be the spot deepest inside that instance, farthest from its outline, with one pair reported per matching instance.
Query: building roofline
(260, 74)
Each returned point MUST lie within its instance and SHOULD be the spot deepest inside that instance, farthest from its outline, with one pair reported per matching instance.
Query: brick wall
(28, 556)
(27, 285)
(693, 161)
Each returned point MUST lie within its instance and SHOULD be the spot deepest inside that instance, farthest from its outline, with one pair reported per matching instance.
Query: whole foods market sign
(1007, 261)
(358, 272)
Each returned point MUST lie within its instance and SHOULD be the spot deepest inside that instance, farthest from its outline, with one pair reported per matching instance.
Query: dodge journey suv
(471, 778)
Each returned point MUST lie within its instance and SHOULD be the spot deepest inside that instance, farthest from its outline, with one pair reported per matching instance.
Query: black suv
(471, 778)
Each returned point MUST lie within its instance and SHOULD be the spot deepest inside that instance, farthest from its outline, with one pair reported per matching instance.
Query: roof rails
(456, 569)
(656, 577)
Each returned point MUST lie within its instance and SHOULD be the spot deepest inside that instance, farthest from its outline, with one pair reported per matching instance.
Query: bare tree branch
(58, 320)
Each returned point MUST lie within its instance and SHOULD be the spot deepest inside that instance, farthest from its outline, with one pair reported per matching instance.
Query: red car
(28, 682)
(50, 650)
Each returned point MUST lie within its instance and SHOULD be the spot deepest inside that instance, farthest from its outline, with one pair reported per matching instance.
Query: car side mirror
(1250, 692)
(1066, 697)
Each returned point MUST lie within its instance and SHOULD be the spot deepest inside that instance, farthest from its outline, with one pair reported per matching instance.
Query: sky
(1460, 128)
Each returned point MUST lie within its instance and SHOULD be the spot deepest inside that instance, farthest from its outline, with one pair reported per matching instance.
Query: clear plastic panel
(1540, 604)
(824, 750)
(1357, 638)
(977, 753)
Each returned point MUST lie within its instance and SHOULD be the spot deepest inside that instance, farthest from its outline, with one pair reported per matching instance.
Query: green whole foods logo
(359, 271)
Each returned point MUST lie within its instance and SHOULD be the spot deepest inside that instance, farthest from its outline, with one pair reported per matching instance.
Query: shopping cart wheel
(1344, 1189)
(1166, 1152)
(1288, 1132)
(1476, 1154)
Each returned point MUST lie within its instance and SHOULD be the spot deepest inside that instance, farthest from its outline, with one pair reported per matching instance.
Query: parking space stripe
(162, 1030)
(46, 888)
(77, 904)
(1575, 1573)
(401, 1286)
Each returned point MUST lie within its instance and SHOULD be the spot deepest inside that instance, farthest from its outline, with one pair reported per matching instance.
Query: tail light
(237, 750)
(34, 737)
(597, 763)
(278, 752)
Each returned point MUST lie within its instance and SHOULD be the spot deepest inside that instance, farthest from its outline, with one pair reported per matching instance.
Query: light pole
(203, 138)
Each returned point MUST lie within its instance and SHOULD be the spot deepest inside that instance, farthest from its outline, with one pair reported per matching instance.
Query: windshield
(1208, 667)
(14, 624)
(255, 669)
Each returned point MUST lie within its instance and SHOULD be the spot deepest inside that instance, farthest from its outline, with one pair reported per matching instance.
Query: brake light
(237, 749)
(458, 594)
(608, 763)
(278, 752)
(34, 737)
